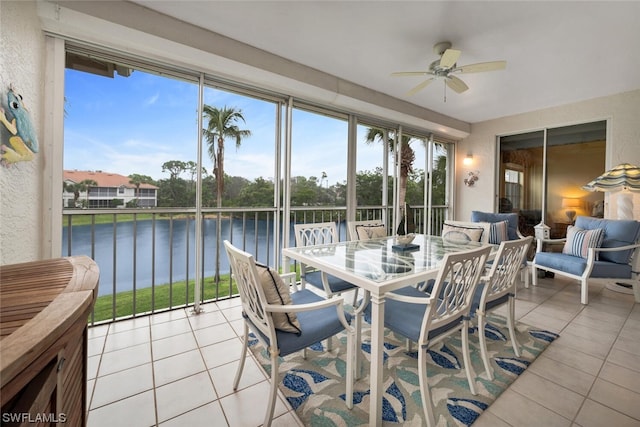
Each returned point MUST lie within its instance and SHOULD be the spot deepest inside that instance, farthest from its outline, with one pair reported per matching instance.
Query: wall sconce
(471, 179)
(468, 160)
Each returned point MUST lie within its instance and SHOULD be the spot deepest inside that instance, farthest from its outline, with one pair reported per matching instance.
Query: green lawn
(108, 218)
(164, 296)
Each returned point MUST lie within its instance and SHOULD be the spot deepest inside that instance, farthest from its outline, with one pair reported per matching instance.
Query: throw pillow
(366, 232)
(277, 292)
(455, 232)
(579, 241)
(499, 232)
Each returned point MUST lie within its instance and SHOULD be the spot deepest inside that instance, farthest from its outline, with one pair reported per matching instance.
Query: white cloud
(151, 100)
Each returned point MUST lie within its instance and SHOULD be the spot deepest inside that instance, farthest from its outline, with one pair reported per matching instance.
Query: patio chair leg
(483, 345)
(355, 298)
(273, 388)
(584, 291)
(427, 405)
(243, 356)
(351, 355)
(512, 331)
(357, 366)
(468, 367)
(534, 276)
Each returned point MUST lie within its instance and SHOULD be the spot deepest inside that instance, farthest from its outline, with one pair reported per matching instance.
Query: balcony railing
(147, 256)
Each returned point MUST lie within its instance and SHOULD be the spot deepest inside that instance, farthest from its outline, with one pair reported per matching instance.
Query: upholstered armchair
(595, 248)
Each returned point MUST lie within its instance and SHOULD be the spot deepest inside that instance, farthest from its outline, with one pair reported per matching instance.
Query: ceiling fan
(446, 66)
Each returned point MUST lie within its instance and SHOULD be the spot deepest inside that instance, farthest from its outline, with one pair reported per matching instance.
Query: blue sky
(134, 124)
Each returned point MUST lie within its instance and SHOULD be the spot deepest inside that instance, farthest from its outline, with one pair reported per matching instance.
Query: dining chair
(498, 288)
(320, 233)
(366, 229)
(428, 319)
(503, 226)
(285, 322)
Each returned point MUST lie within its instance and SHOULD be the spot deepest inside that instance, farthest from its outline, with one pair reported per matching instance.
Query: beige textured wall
(623, 144)
(21, 65)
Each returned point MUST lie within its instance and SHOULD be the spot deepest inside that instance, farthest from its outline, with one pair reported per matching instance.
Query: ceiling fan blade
(482, 67)
(456, 84)
(420, 87)
(409, 73)
(449, 58)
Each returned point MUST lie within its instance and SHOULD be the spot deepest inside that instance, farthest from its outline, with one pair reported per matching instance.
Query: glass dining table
(379, 266)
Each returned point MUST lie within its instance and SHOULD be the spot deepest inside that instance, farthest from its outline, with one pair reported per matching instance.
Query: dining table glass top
(382, 259)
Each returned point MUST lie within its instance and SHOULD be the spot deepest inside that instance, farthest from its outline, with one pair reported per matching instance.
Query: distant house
(113, 190)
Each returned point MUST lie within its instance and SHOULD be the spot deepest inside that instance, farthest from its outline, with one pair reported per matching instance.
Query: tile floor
(177, 368)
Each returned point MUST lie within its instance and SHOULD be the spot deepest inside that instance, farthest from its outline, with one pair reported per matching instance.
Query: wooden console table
(44, 308)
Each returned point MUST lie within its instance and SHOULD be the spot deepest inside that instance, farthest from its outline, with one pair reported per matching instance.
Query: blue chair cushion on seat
(406, 318)
(512, 218)
(616, 233)
(335, 284)
(316, 325)
(491, 304)
(576, 265)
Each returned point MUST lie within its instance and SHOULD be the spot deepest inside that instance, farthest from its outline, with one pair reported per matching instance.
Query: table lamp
(571, 205)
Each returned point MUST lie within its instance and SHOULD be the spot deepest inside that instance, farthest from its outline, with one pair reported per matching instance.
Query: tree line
(220, 189)
(179, 189)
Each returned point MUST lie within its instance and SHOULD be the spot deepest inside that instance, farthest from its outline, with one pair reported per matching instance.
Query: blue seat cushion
(475, 304)
(617, 232)
(335, 284)
(406, 318)
(315, 325)
(576, 265)
(512, 218)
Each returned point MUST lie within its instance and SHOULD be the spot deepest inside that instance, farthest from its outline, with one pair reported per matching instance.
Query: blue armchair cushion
(406, 318)
(617, 232)
(579, 241)
(576, 265)
(316, 325)
(499, 232)
(475, 304)
(512, 218)
(335, 284)
(277, 292)
(459, 233)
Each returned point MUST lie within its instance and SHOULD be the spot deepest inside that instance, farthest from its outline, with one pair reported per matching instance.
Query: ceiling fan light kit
(443, 69)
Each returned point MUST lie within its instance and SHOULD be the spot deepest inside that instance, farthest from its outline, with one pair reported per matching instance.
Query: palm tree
(138, 180)
(222, 123)
(407, 156)
(78, 187)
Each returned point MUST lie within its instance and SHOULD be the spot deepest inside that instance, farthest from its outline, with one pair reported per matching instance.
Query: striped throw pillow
(579, 241)
(498, 232)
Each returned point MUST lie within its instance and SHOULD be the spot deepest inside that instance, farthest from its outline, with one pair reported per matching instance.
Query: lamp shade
(571, 203)
(623, 176)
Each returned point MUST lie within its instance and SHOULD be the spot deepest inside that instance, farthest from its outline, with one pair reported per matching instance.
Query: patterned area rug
(315, 389)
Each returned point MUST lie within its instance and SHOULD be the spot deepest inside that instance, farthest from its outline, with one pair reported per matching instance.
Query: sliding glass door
(542, 174)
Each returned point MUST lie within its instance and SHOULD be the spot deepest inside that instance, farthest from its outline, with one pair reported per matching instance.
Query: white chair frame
(258, 316)
(459, 271)
(499, 283)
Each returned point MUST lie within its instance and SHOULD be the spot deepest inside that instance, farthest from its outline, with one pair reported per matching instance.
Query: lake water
(174, 255)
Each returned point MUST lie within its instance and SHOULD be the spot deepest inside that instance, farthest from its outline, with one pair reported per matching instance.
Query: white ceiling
(556, 52)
